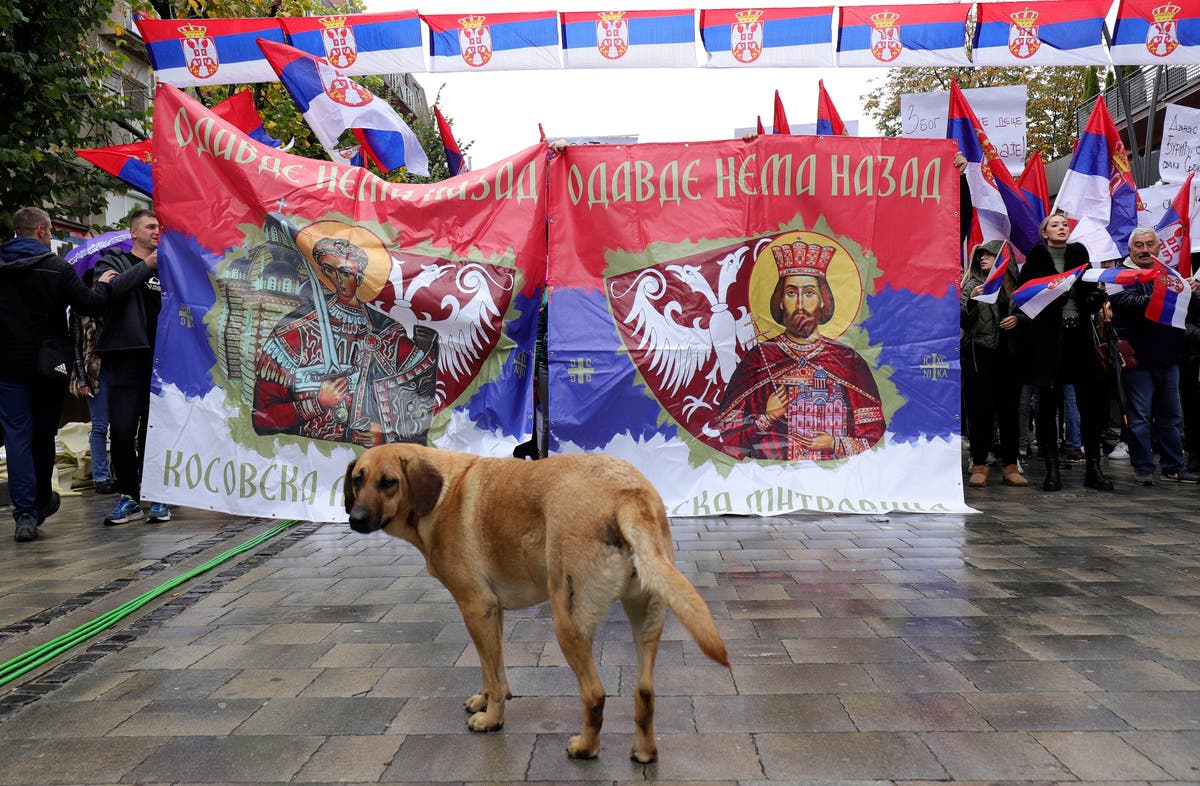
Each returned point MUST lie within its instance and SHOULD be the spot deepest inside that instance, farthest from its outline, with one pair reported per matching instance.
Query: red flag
(781, 123)
(1033, 185)
(761, 129)
(541, 133)
(829, 122)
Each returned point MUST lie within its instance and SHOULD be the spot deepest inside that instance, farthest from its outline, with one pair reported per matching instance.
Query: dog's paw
(477, 703)
(576, 749)
(644, 757)
(481, 722)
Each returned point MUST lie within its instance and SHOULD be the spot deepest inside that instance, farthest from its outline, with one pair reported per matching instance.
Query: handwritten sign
(1157, 200)
(1179, 155)
(1001, 112)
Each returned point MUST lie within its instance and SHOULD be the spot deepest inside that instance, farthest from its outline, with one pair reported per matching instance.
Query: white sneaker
(1121, 451)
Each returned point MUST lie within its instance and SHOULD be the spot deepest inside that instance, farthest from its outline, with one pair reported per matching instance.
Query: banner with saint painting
(761, 327)
(312, 309)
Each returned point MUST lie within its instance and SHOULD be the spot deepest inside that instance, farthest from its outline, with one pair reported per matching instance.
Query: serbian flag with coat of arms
(1034, 295)
(1174, 231)
(767, 37)
(1156, 32)
(200, 52)
(332, 102)
(629, 39)
(361, 44)
(493, 42)
(1034, 187)
(995, 279)
(1002, 211)
(903, 35)
(1062, 32)
(1169, 298)
(1098, 191)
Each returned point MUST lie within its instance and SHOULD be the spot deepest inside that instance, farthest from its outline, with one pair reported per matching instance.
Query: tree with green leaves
(1054, 92)
(52, 75)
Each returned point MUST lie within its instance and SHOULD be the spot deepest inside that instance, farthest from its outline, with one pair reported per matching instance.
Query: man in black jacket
(36, 287)
(126, 350)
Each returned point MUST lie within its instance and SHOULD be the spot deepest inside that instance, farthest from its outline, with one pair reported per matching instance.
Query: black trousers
(993, 392)
(128, 412)
(1078, 365)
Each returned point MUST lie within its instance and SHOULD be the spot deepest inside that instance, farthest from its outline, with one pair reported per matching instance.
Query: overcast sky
(499, 111)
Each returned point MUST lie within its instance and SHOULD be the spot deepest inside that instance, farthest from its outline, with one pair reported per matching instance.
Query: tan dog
(582, 530)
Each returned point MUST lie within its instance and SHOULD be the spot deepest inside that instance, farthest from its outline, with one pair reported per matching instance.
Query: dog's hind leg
(575, 629)
(647, 615)
(485, 623)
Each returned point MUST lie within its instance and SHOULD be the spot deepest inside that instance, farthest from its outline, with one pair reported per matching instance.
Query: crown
(333, 22)
(472, 22)
(802, 259)
(1024, 19)
(1165, 13)
(611, 16)
(748, 16)
(194, 31)
(884, 19)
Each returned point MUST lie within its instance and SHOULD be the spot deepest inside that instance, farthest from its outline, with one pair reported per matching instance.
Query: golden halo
(379, 261)
(842, 276)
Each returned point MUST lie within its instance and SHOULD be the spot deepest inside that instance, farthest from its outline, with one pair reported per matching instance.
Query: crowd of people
(1066, 367)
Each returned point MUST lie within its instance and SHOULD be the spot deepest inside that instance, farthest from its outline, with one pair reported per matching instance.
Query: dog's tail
(660, 577)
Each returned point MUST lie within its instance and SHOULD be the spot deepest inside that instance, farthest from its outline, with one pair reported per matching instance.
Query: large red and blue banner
(312, 309)
(756, 326)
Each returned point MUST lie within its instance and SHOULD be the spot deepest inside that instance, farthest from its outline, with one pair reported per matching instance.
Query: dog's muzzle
(362, 522)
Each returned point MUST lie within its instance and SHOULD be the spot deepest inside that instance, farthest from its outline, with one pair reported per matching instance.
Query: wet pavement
(1049, 638)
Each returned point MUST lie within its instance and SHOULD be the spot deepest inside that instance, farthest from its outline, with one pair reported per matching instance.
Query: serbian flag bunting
(629, 39)
(1174, 231)
(767, 37)
(454, 156)
(332, 102)
(780, 123)
(130, 163)
(493, 42)
(1156, 32)
(1002, 211)
(1098, 191)
(361, 44)
(1169, 298)
(200, 52)
(829, 122)
(1035, 294)
(1061, 32)
(995, 279)
(1034, 187)
(905, 35)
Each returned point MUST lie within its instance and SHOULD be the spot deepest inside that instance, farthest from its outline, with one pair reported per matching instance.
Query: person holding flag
(1057, 347)
(991, 384)
(1150, 315)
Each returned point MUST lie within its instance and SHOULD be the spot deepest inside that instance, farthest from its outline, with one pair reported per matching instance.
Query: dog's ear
(348, 486)
(424, 485)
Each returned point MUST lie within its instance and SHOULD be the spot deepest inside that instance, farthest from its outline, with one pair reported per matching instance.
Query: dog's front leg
(485, 623)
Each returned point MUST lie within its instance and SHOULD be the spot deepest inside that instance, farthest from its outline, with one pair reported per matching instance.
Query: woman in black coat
(1058, 347)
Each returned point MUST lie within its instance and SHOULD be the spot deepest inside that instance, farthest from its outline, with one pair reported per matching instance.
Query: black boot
(1093, 477)
(1053, 481)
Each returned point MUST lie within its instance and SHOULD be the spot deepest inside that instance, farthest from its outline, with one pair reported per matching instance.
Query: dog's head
(390, 483)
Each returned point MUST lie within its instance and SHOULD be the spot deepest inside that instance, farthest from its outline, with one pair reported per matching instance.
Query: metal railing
(1179, 78)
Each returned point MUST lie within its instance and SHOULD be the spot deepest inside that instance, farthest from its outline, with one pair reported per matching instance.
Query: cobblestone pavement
(1049, 638)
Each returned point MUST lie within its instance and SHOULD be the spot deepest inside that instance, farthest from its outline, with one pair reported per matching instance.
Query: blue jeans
(1155, 417)
(29, 411)
(98, 438)
(1072, 438)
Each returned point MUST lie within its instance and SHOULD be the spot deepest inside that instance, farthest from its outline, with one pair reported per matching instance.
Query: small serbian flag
(360, 44)
(903, 35)
(493, 42)
(1169, 298)
(199, 52)
(1174, 231)
(454, 156)
(1034, 187)
(130, 163)
(1156, 32)
(348, 156)
(629, 39)
(767, 37)
(1115, 279)
(1062, 32)
(829, 122)
(332, 102)
(995, 279)
(1035, 294)
(761, 129)
(780, 123)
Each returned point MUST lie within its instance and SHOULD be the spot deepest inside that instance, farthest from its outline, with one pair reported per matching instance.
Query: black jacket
(126, 323)
(36, 287)
(1155, 345)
